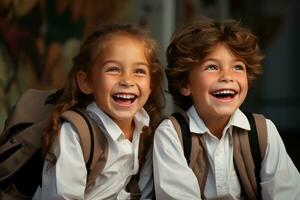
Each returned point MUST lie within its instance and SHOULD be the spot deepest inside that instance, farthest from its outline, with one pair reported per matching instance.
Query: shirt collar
(240, 120)
(197, 125)
(141, 119)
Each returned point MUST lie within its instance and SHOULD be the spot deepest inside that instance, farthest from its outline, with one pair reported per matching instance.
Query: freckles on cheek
(146, 82)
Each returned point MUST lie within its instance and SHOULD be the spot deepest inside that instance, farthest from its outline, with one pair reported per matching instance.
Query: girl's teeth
(125, 96)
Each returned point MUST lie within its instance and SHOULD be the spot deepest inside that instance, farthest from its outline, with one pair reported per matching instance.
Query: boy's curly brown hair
(192, 43)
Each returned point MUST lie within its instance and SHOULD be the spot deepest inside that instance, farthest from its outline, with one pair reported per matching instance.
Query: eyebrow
(115, 61)
(217, 60)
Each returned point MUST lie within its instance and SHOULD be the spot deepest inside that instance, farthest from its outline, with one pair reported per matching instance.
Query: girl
(118, 77)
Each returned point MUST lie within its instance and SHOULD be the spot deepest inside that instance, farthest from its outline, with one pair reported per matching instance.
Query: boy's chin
(225, 112)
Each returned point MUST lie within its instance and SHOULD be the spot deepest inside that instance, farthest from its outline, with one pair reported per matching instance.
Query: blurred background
(38, 39)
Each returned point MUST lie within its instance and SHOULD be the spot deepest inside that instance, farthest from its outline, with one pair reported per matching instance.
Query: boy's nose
(226, 76)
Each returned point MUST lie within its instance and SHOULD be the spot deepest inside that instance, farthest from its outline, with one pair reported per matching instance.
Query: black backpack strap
(186, 136)
(255, 151)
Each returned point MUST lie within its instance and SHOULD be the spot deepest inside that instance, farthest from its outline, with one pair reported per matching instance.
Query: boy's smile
(224, 93)
(218, 85)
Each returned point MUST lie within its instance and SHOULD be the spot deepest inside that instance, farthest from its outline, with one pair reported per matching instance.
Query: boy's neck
(216, 125)
(216, 131)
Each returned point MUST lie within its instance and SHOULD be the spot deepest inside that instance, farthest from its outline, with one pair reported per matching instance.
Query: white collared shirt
(175, 180)
(67, 178)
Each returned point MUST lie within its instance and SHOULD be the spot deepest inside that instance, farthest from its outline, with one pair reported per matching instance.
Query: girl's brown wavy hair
(192, 43)
(90, 49)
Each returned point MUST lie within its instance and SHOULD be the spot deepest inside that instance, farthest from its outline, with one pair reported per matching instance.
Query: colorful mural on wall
(38, 39)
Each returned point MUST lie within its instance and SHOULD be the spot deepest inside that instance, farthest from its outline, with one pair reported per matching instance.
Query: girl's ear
(84, 83)
(185, 90)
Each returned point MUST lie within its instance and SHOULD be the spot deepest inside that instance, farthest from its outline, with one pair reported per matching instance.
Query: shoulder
(68, 142)
(272, 131)
(165, 126)
(273, 135)
(275, 145)
(277, 163)
(68, 132)
(274, 139)
(166, 143)
(166, 132)
(271, 127)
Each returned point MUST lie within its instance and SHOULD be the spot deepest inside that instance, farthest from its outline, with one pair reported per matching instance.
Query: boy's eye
(239, 67)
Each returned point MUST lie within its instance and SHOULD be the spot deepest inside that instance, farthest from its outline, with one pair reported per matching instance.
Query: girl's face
(120, 78)
(218, 86)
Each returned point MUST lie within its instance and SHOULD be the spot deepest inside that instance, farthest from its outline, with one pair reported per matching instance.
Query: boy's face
(218, 85)
(120, 78)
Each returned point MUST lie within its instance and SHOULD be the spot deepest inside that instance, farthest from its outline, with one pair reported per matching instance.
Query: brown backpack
(21, 162)
(247, 157)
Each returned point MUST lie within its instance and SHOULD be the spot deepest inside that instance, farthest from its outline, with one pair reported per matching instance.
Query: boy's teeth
(224, 92)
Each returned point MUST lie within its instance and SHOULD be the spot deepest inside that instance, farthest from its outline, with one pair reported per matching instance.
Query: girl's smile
(124, 99)
(120, 78)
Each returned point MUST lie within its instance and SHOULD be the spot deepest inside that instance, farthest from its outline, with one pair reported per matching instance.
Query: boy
(211, 65)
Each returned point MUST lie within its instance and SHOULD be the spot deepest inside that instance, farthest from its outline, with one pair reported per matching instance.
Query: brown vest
(241, 154)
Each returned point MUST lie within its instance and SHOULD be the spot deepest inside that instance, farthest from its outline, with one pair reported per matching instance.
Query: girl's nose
(126, 81)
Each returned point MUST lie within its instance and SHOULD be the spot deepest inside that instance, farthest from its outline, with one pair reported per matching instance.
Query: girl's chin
(123, 115)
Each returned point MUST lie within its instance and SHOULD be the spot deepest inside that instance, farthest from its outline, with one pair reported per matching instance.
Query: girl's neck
(127, 128)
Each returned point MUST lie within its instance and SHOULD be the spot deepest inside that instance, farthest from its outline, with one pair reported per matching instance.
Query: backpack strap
(83, 127)
(245, 149)
(257, 138)
(95, 147)
(182, 128)
(196, 157)
(92, 139)
(261, 127)
(249, 150)
(133, 187)
(145, 143)
(255, 152)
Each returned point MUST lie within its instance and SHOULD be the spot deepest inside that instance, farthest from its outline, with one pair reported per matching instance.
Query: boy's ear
(185, 90)
(83, 82)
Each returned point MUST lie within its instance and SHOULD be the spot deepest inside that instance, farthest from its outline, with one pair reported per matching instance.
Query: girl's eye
(211, 67)
(140, 71)
(113, 69)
